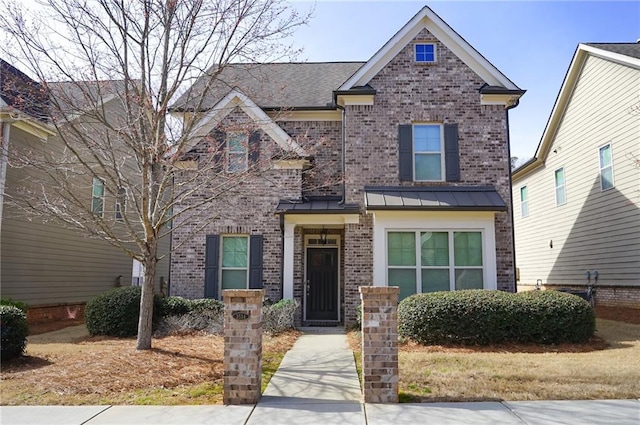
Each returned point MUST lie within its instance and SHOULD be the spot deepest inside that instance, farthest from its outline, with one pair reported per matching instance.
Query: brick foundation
(380, 343)
(242, 346)
(610, 296)
(43, 314)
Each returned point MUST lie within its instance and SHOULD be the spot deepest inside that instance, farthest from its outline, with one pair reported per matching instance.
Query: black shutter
(405, 153)
(219, 146)
(255, 262)
(211, 262)
(451, 152)
(254, 148)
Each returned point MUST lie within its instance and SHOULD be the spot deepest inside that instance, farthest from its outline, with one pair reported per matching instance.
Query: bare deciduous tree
(119, 64)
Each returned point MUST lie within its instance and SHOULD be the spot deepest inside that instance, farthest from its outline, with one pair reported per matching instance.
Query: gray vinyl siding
(47, 264)
(594, 230)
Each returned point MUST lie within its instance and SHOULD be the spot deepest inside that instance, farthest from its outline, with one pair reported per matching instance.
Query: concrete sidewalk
(317, 383)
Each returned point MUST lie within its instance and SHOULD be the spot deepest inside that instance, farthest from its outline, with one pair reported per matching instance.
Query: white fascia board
(426, 18)
(234, 99)
(321, 219)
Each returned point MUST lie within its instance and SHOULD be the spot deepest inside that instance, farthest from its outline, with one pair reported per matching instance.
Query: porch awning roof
(442, 198)
(317, 205)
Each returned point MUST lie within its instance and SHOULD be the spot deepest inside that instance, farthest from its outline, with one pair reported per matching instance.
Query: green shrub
(488, 317)
(280, 317)
(116, 313)
(174, 306)
(13, 331)
(19, 304)
(208, 305)
(202, 315)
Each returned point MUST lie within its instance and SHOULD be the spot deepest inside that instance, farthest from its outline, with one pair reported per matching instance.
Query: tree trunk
(145, 322)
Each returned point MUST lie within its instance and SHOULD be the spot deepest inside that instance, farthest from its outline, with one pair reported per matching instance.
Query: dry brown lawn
(608, 367)
(66, 367)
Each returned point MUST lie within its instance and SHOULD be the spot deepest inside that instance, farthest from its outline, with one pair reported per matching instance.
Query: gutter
(513, 232)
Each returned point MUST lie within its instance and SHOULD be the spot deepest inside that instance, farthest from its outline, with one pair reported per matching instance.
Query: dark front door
(322, 284)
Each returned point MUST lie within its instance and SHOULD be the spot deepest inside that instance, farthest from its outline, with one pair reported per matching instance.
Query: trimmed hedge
(13, 332)
(487, 317)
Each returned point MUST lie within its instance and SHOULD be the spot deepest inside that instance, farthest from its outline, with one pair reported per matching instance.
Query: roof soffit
(428, 19)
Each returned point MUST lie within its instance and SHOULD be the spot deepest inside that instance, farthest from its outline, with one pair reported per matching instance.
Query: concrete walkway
(317, 383)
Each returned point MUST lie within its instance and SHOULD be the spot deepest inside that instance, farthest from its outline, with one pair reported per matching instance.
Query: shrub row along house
(577, 219)
(52, 267)
(393, 171)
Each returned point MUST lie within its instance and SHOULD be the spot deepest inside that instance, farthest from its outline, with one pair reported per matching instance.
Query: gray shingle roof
(274, 85)
(627, 49)
(442, 198)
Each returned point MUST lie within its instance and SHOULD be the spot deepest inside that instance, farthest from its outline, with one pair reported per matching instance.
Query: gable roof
(307, 85)
(627, 54)
(20, 92)
(427, 18)
(235, 98)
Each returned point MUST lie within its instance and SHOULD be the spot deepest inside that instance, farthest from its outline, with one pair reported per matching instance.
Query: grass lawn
(606, 368)
(69, 368)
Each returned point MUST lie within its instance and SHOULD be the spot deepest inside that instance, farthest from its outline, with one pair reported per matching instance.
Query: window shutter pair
(220, 142)
(451, 152)
(212, 264)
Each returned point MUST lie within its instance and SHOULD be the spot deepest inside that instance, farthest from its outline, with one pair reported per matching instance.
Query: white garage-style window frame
(606, 167)
(428, 152)
(431, 251)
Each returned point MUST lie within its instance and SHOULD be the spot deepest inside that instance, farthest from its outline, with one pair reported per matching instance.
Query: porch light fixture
(323, 236)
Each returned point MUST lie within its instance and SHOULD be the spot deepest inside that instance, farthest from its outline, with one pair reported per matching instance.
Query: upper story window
(561, 195)
(606, 167)
(121, 203)
(426, 261)
(428, 151)
(235, 262)
(524, 201)
(425, 53)
(237, 152)
(97, 197)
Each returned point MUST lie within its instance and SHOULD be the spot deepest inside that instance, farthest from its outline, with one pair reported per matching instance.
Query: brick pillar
(242, 345)
(380, 343)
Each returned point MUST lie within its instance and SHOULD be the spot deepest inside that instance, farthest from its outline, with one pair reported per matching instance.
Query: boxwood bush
(487, 317)
(13, 332)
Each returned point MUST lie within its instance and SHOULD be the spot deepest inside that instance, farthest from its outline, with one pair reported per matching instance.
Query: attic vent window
(425, 53)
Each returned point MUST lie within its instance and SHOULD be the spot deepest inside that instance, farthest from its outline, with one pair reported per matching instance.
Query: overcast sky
(532, 43)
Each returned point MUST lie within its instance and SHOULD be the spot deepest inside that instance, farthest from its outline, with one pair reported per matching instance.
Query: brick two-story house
(393, 171)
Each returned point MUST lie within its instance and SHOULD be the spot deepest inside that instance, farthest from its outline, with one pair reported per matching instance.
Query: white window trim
(121, 207)
(399, 221)
(93, 196)
(564, 186)
(613, 176)
(426, 43)
(443, 171)
(245, 151)
(524, 204)
(221, 268)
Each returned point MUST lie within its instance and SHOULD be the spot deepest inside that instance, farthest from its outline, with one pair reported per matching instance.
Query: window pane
(605, 156)
(435, 248)
(234, 251)
(468, 248)
(560, 196)
(401, 250)
(469, 279)
(428, 167)
(234, 279)
(238, 143)
(98, 187)
(405, 279)
(97, 205)
(560, 177)
(426, 138)
(435, 280)
(237, 162)
(524, 205)
(606, 176)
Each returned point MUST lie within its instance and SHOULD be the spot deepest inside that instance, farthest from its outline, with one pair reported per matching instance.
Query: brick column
(242, 345)
(380, 343)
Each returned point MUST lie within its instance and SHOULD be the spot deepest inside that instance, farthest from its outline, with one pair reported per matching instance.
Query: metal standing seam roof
(317, 205)
(443, 198)
(272, 85)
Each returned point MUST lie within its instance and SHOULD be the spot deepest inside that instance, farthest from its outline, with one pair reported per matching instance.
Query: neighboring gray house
(53, 269)
(577, 202)
(393, 171)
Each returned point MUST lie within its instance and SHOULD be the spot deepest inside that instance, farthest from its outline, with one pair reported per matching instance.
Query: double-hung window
(524, 201)
(606, 167)
(97, 197)
(121, 203)
(234, 262)
(237, 152)
(428, 261)
(428, 152)
(561, 194)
